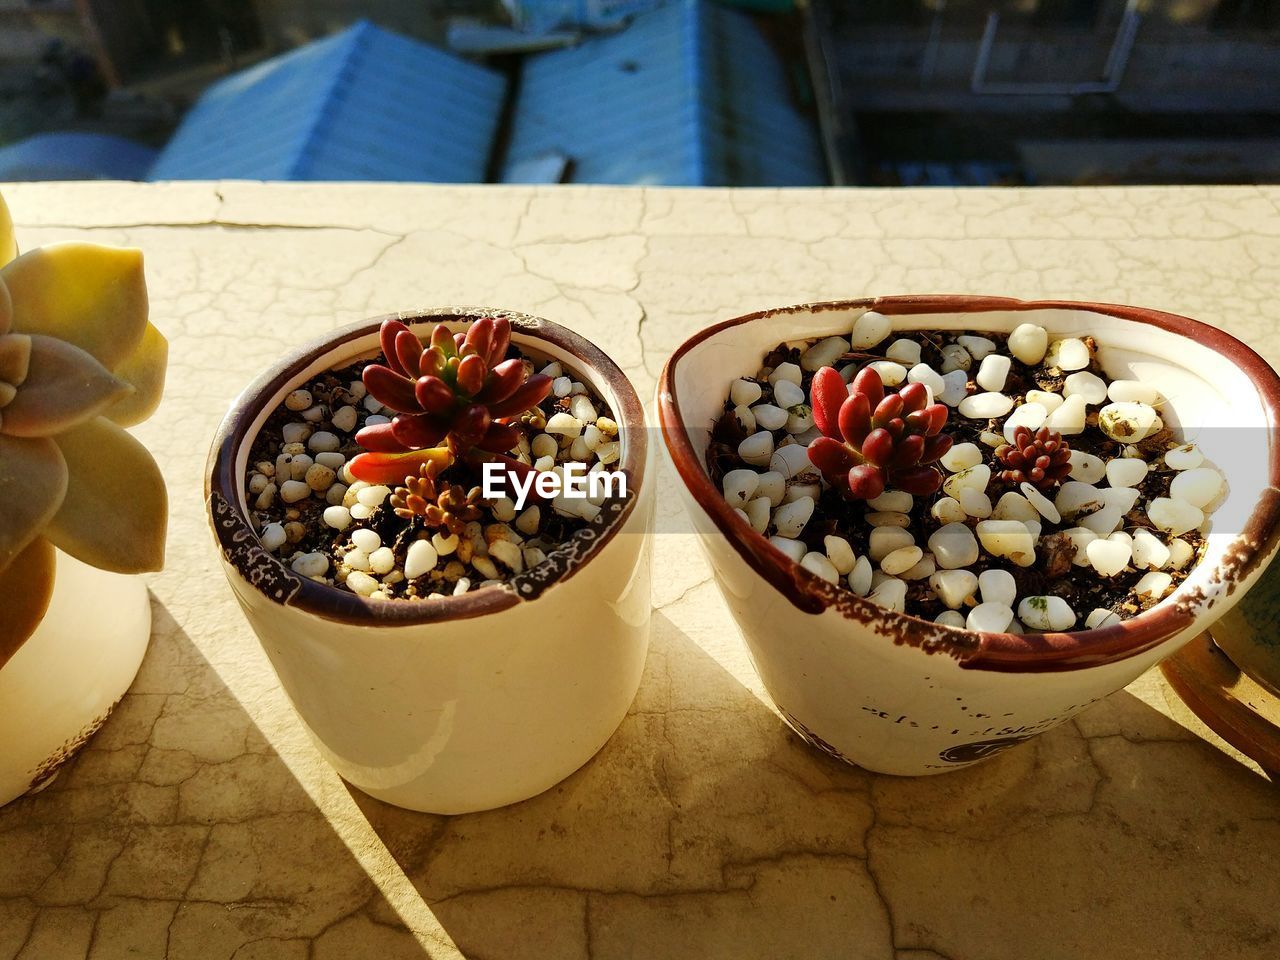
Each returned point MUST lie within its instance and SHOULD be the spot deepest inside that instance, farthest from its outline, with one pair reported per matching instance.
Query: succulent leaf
(116, 509)
(91, 296)
(15, 358)
(6, 306)
(33, 483)
(380, 467)
(144, 370)
(827, 394)
(8, 245)
(27, 586)
(64, 386)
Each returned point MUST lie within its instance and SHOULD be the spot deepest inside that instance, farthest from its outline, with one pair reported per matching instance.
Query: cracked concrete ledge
(200, 823)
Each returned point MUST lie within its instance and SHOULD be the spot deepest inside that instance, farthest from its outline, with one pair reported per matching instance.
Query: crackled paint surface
(200, 823)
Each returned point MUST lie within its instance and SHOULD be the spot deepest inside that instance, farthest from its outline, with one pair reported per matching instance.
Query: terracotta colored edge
(998, 652)
(232, 530)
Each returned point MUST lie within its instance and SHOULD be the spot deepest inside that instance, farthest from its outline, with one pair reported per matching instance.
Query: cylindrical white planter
(897, 694)
(462, 703)
(61, 685)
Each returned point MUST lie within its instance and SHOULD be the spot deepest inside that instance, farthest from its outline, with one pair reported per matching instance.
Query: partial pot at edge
(898, 694)
(463, 703)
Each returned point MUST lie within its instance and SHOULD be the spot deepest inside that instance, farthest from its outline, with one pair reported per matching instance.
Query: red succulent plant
(1041, 458)
(872, 440)
(453, 399)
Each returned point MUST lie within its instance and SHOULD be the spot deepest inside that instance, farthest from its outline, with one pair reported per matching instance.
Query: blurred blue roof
(690, 94)
(75, 156)
(363, 104)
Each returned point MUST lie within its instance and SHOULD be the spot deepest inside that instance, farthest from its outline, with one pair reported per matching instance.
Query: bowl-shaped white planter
(65, 680)
(898, 694)
(462, 703)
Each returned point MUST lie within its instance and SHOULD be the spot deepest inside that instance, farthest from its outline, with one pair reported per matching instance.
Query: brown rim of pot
(989, 651)
(270, 576)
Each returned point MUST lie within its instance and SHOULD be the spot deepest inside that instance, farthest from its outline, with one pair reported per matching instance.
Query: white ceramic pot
(61, 685)
(897, 694)
(463, 703)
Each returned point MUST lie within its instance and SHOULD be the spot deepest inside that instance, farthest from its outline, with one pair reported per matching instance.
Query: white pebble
(1076, 497)
(840, 553)
(273, 537)
(923, 373)
(819, 565)
(961, 457)
(757, 448)
(564, 425)
(950, 618)
(975, 504)
(310, 564)
(1180, 553)
(789, 461)
(1068, 354)
(888, 518)
(973, 478)
(1086, 468)
(948, 510)
(298, 400)
(976, 347)
(1028, 342)
(1068, 419)
(299, 466)
(462, 586)
(757, 511)
(955, 359)
(1185, 457)
(1093, 388)
(993, 372)
(360, 512)
(1199, 486)
(795, 549)
(582, 409)
(772, 485)
(891, 594)
(744, 393)
(790, 518)
(954, 587)
(905, 352)
(1153, 586)
(1014, 506)
(361, 583)
(1008, 538)
(338, 517)
(787, 395)
(366, 540)
(295, 432)
(1108, 557)
(953, 545)
(896, 500)
(1080, 538)
(1174, 517)
(891, 374)
(989, 618)
(1127, 422)
(508, 554)
(291, 491)
(1123, 391)
(823, 353)
(1050, 401)
(861, 576)
(1148, 552)
(1029, 415)
(1044, 506)
(809, 488)
(1101, 617)
(319, 477)
(769, 416)
(785, 371)
(323, 442)
(345, 418)
(561, 386)
(869, 329)
(1116, 502)
(982, 406)
(901, 560)
(373, 496)
(382, 560)
(924, 567)
(884, 540)
(1046, 613)
(1126, 471)
(955, 388)
(740, 486)
(998, 586)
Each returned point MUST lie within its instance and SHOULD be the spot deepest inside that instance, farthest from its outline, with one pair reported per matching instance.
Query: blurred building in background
(895, 91)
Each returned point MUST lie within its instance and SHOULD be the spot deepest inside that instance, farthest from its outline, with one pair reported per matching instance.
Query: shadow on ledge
(707, 829)
(179, 832)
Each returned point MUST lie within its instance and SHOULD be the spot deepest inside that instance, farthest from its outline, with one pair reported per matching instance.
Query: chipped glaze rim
(269, 575)
(1000, 652)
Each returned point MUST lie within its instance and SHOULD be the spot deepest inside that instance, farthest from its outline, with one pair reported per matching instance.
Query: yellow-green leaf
(144, 370)
(116, 509)
(8, 245)
(64, 386)
(15, 357)
(33, 483)
(26, 585)
(89, 295)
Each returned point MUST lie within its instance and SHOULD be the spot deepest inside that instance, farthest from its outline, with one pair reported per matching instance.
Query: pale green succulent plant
(79, 361)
